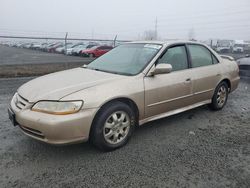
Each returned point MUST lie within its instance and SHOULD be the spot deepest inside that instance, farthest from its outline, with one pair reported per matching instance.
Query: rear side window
(200, 56)
(177, 57)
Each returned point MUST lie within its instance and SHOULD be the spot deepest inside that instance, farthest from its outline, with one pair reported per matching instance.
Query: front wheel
(220, 96)
(113, 126)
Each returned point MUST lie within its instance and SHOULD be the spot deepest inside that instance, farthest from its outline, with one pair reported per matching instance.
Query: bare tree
(149, 35)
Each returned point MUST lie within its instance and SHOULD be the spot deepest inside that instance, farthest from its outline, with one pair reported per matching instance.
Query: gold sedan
(132, 84)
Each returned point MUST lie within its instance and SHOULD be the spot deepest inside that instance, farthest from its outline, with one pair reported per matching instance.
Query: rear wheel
(220, 96)
(113, 126)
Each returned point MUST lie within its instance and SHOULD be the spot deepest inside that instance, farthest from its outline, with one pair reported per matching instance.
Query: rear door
(207, 72)
(166, 92)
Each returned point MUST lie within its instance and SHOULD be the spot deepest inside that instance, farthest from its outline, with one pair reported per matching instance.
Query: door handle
(188, 80)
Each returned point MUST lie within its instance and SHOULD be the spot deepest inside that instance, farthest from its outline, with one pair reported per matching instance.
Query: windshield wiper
(101, 70)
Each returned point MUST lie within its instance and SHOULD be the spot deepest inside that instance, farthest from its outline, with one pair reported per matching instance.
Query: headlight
(58, 107)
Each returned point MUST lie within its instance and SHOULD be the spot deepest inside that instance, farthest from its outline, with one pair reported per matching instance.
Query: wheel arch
(228, 83)
(124, 100)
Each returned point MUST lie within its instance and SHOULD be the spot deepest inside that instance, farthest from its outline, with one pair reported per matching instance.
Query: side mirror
(161, 69)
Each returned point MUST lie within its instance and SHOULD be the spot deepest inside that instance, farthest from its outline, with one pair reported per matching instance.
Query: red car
(95, 51)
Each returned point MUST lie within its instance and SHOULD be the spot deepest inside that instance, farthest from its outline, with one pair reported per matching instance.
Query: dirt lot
(12, 55)
(198, 148)
(17, 62)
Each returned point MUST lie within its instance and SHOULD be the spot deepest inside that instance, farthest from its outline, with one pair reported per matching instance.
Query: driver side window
(177, 57)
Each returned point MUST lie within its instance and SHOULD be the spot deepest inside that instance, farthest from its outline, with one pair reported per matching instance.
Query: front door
(166, 92)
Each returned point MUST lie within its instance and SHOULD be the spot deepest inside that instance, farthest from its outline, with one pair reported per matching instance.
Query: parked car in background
(69, 50)
(61, 49)
(49, 45)
(43, 46)
(224, 46)
(52, 48)
(36, 46)
(95, 51)
(133, 84)
(25, 45)
(17, 44)
(244, 66)
(238, 48)
(77, 50)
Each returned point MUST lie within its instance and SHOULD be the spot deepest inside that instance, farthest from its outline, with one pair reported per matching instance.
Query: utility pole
(65, 43)
(156, 25)
(114, 43)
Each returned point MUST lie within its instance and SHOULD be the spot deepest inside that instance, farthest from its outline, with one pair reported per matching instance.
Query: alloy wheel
(116, 127)
(221, 96)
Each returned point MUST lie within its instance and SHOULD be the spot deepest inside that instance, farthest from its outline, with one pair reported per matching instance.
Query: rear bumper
(55, 129)
(245, 73)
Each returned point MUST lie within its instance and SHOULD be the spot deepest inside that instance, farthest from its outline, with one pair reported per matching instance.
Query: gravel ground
(198, 148)
(11, 55)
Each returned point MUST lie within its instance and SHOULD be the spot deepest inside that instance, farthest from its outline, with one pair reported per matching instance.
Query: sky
(128, 19)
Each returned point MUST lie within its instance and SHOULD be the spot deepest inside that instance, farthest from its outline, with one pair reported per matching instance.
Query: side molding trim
(174, 112)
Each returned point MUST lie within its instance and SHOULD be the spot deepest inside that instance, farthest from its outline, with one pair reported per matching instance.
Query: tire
(220, 96)
(109, 133)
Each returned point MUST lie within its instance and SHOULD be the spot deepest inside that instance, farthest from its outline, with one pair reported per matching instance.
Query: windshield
(127, 59)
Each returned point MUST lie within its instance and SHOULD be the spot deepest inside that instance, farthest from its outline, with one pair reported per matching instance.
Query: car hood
(58, 85)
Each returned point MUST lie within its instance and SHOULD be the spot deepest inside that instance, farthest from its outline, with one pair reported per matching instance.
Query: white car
(238, 49)
(74, 47)
(223, 49)
(76, 50)
(62, 49)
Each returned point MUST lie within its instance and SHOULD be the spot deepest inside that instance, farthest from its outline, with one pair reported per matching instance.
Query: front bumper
(55, 129)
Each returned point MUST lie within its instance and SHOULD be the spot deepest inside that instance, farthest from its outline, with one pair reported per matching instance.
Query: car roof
(167, 42)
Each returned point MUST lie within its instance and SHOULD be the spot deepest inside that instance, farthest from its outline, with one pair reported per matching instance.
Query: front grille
(21, 102)
(32, 132)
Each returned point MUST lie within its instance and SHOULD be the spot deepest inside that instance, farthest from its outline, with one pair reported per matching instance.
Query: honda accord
(130, 85)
